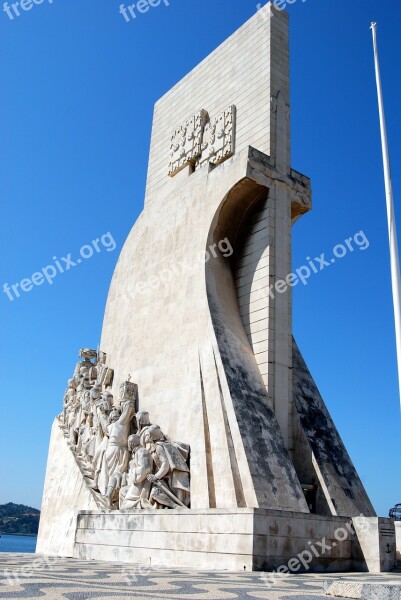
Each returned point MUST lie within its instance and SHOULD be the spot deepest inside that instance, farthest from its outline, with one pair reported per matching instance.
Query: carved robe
(116, 456)
(175, 472)
(136, 493)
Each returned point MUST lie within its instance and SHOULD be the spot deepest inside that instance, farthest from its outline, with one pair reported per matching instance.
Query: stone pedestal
(236, 539)
(374, 546)
(398, 543)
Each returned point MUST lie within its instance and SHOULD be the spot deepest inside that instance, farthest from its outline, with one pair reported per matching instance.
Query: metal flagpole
(392, 231)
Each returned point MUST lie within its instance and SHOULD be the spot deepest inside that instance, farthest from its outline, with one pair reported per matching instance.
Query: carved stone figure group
(127, 461)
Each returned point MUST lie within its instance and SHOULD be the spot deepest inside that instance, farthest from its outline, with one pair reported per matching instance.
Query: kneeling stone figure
(135, 491)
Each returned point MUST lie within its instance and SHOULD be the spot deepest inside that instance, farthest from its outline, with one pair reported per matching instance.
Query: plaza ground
(33, 576)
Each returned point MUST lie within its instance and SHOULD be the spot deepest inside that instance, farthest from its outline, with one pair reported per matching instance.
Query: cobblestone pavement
(32, 576)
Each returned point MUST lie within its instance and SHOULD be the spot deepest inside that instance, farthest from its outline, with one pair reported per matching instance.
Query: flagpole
(392, 231)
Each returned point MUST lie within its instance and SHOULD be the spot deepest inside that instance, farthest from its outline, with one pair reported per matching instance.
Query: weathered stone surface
(65, 493)
(397, 525)
(328, 458)
(363, 591)
(235, 539)
(374, 544)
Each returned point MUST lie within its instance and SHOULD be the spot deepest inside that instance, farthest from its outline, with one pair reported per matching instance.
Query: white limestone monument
(218, 450)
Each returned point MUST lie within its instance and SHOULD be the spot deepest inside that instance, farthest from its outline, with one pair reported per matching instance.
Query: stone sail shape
(333, 468)
(273, 477)
(162, 311)
(210, 347)
(320, 458)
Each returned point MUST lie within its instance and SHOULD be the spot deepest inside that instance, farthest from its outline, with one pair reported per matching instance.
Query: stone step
(363, 591)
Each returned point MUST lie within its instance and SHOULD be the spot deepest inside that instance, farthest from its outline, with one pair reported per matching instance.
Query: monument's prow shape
(210, 347)
(196, 312)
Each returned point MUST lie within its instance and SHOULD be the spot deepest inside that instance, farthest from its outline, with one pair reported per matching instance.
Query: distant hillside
(17, 518)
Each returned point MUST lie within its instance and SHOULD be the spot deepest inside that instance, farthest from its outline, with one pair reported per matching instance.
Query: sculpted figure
(84, 384)
(135, 490)
(89, 429)
(143, 424)
(107, 401)
(80, 375)
(69, 398)
(83, 396)
(171, 480)
(102, 439)
(142, 420)
(88, 355)
(96, 393)
(72, 420)
(116, 456)
(81, 439)
(90, 445)
(95, 400)
(101, 372)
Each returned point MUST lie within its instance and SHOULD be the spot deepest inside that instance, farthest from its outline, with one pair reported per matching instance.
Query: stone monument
(224, 427)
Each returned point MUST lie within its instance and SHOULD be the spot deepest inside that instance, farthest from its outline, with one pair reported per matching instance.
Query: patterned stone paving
(32, 576)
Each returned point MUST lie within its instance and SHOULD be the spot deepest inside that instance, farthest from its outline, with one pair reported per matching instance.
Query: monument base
(374, 548)
(233, 539)
(398, 543)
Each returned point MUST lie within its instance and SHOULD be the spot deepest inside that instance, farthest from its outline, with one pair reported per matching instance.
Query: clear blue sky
(78, 88)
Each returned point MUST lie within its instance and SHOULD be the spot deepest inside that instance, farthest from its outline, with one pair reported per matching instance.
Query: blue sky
(78, 88)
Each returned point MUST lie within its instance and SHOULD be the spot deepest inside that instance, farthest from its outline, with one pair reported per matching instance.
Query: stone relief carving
(127, 461)
(201, 140)
(218, 139)
(186, 142)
